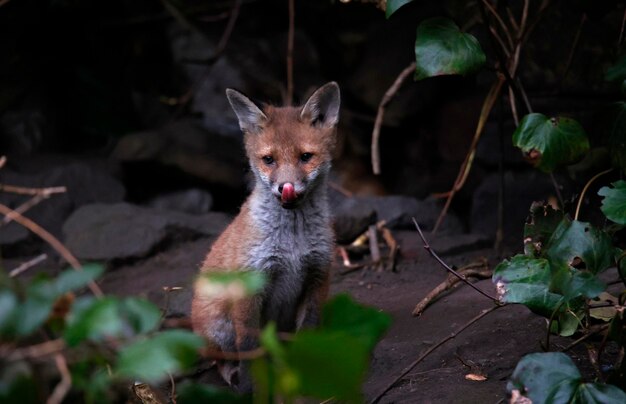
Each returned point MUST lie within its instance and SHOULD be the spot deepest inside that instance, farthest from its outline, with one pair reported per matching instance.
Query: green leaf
(526, 280)
(550, 142)
(574, 239)
(150, 360)
(394, 5)
(17, 384)
(8, 313)
(141, 315)
(94, 319)
(232, 285)
(191, 393)
(614, 202)
(442, 49)
(71, 279)
(553, 378)
(539, 226)
(343, 314)
(328, 364)
(614, 133)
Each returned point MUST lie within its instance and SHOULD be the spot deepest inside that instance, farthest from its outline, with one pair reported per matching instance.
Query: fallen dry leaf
(475, 377)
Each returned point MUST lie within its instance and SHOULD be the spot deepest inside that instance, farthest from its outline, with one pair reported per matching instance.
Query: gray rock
(351, 219)
(85, 184)
(122, 230)
(194, 201)
(453, 244)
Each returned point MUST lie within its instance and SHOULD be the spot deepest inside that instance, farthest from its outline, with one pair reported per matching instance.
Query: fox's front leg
(309, 311)
(246, 318)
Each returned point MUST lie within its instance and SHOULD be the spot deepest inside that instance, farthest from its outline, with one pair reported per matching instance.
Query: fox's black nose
(280, 188)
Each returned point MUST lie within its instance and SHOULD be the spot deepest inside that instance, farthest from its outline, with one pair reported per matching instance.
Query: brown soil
(491, 347)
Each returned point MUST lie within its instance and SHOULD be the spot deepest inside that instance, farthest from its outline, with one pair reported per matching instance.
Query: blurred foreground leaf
(614, 202)
(394, 5)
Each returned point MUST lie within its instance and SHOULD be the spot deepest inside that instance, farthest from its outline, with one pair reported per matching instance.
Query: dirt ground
(491, 347)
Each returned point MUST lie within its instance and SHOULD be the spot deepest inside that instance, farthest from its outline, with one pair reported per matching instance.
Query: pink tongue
(289, 193)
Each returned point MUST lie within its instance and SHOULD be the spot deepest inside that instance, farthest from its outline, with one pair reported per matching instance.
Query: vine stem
(432, 349)
(449, 269)
(389, 94)
(557, 190)
(582, 194)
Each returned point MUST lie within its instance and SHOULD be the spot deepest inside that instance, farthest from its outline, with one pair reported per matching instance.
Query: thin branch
(582, 194)
(27, 265)
(172, 389)
(32, 191)
(505, 29)
(513, 106)
(389, 94)
(37, 351)
(488, 104)
(447, 267)
(430, 350)
(23, 208)
(290, 39)
(475, 270)
(3, 159)
(61, 389)
(50, 239)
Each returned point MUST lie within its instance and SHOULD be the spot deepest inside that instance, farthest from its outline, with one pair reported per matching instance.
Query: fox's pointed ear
(322, 108)
(251, 118)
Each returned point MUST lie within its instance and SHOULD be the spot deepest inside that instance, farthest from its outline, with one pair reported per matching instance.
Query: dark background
(133, 91)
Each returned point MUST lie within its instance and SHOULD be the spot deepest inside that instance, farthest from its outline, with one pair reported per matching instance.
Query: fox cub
(282, 230)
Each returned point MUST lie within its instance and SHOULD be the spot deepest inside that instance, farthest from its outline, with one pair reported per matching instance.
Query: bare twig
(27, 265)
(478, 270)
(23, 208)
(389, 94)
(374, 250)
(37, 351)
(430, 350)
(50, 239)
(504, 27)
(32, 191)
(61, 389)
(3, 159)
(172, 389)
(447, 267)
(582, 194)
(488, 104)
(290, 38)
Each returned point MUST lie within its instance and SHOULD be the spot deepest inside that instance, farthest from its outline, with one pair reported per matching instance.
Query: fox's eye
(267, 159)
(304, 157)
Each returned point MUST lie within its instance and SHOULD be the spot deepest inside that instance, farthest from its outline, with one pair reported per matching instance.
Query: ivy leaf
(328, 364)
(550, 142)
(614, 202)
(442, 49)
(526, 280)
(72, 279)
(573, 240)
(539, 226)
(93, 319)
(343, 314)
(394, 5)
(552, 377)
(150, 360)
(141, 315)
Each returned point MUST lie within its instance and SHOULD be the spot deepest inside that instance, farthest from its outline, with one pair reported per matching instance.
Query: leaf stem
(582, 194)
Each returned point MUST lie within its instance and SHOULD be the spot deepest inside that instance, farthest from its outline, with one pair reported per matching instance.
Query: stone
(86, 183)
(121, 231)
(194, 201)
